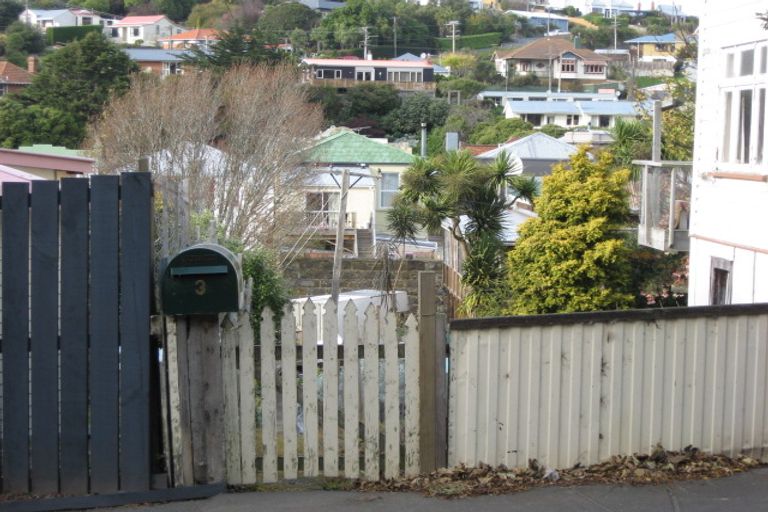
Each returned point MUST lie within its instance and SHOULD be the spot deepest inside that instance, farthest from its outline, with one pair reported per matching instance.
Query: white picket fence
(346, 404)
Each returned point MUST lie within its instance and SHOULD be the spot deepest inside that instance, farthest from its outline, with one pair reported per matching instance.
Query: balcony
(665, 206)
(346, 83)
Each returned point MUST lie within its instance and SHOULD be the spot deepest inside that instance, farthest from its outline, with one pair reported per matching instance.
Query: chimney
(32, 64)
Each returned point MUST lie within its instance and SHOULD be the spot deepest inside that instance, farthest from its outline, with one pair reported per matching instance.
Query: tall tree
(571, 258)
(81, 77)
(258, 117)
(236, 46)
(416, 109)
(9, 12)
(279, 20)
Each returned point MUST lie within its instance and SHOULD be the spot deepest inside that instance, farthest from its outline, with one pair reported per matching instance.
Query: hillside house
(537, 153)
(499, 98)
(656, 48)
(47, 162)
(202, 38)
(43, 19)
(377, 166)
(553, 23)
(344, 73)
(144, 30)
(729, 198)
(158, 61)
(554, 58)
(15, 79)
(572, 114)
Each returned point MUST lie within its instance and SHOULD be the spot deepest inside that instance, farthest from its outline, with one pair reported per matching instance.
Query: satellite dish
(423, 55)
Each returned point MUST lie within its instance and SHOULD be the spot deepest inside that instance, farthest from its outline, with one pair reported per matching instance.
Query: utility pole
(615, 21)
(453, 25)
(394, 25)
(365, 43)
(338, 252)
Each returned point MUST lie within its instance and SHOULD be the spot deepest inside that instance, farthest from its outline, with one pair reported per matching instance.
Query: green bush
(475, 42)
(61, 35)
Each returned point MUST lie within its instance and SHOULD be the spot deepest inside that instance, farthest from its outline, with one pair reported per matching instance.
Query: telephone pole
(453, 25)
(394, 25)
(365, 43)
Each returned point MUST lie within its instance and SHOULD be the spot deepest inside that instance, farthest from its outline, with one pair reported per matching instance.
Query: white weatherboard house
(145, 30)
(728, 233)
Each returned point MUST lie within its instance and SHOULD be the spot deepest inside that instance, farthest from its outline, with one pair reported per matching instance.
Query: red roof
(10, 73)
(199, 34)
(364, 62)
(139, 20)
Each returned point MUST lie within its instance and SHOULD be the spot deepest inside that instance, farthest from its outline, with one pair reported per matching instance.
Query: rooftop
(197, 34)
(347, 147)
(593, 108)
(48, 13)
(138, 20)
(10, 73)
(537, 146)
(365, 62)
(550, 47)
(155, 54)
(48, 149)
(656, 39)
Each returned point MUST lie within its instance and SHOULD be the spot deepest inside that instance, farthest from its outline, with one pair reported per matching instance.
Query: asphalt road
(748, 492)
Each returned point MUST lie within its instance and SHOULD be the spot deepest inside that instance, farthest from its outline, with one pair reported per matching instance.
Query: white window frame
(572, 120)
(320, 74)
(732, 88)
(168, 70)
(388, 193)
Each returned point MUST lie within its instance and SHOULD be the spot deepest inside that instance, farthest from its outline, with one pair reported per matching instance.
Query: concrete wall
(312, 276)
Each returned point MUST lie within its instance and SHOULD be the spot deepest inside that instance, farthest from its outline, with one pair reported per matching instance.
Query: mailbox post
(200, 286)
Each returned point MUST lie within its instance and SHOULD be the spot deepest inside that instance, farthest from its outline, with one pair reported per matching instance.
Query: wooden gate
(76, 291)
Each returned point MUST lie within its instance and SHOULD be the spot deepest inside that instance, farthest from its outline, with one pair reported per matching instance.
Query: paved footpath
(747, 492)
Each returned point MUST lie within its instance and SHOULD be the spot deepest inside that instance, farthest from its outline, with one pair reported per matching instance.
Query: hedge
(475, 42)
(58, 35)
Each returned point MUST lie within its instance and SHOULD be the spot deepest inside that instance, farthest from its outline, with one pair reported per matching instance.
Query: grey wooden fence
(76, 365)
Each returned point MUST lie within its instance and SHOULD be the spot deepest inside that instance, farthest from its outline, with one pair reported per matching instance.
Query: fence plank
(412, 410)
(247, 404)
(179, 335)
(290, 401)
(15, 312)
(44, 336)
(103, 362)
(229, 341)
(391, 398)
(351, 393)
(330, 391)
(309, 387)
(269, 397)
(135, 276)
(74, 336)
(371, 392)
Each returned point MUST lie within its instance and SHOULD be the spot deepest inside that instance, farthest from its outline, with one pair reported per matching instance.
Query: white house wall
(727, 214)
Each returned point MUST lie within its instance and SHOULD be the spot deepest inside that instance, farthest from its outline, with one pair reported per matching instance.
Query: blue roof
(537, 146)
(155, 54)
(592, 108)
(408, 57)
(48, 13)
(656, 39)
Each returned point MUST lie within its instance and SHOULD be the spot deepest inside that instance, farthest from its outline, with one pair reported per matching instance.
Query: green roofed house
(375, 167)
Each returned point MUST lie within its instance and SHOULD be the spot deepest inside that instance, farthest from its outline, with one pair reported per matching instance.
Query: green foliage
(569, 257)
(658, 278)
(631, 141)
(571, 11)
(553, 130)
(9, 12)
(489, 20)
(678, 122)
(466, 86)
(475, 42)
(23, 39)
(96, 5)
(455, 186)
(60, 35)
(236, 46)
(281, 19)
(177, 10)
(22, 125)
(415, 109)
(208, 15)
(500, 131)
(602, 37)
(81, 77)
(373, 99)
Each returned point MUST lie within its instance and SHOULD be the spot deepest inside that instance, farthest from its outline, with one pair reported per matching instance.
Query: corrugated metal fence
(579, 388)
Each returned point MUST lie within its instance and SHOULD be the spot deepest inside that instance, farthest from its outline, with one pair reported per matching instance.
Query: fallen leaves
(660, 466)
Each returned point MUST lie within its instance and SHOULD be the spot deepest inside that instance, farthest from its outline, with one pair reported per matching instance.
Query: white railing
(665, 207)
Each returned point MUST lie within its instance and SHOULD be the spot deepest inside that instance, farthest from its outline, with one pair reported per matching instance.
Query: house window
(568, 66)
(534, 119)
(328, 74)
(3, 89)
(550, 119)
(171, 68)
(87, 20)
(763, 60)
(743, 107)
(572, 120)
(390, 184)
(404, 76)
(720, 282)
(524, 66)
(604, 121)
(135, 31)
(364, 76)
(594, 69)
(322, 207)
(115, 32)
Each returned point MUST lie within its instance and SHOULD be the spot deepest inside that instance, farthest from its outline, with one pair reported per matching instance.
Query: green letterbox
(201, 280)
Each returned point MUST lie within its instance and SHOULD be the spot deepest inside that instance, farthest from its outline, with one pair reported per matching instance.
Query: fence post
(427, 372)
